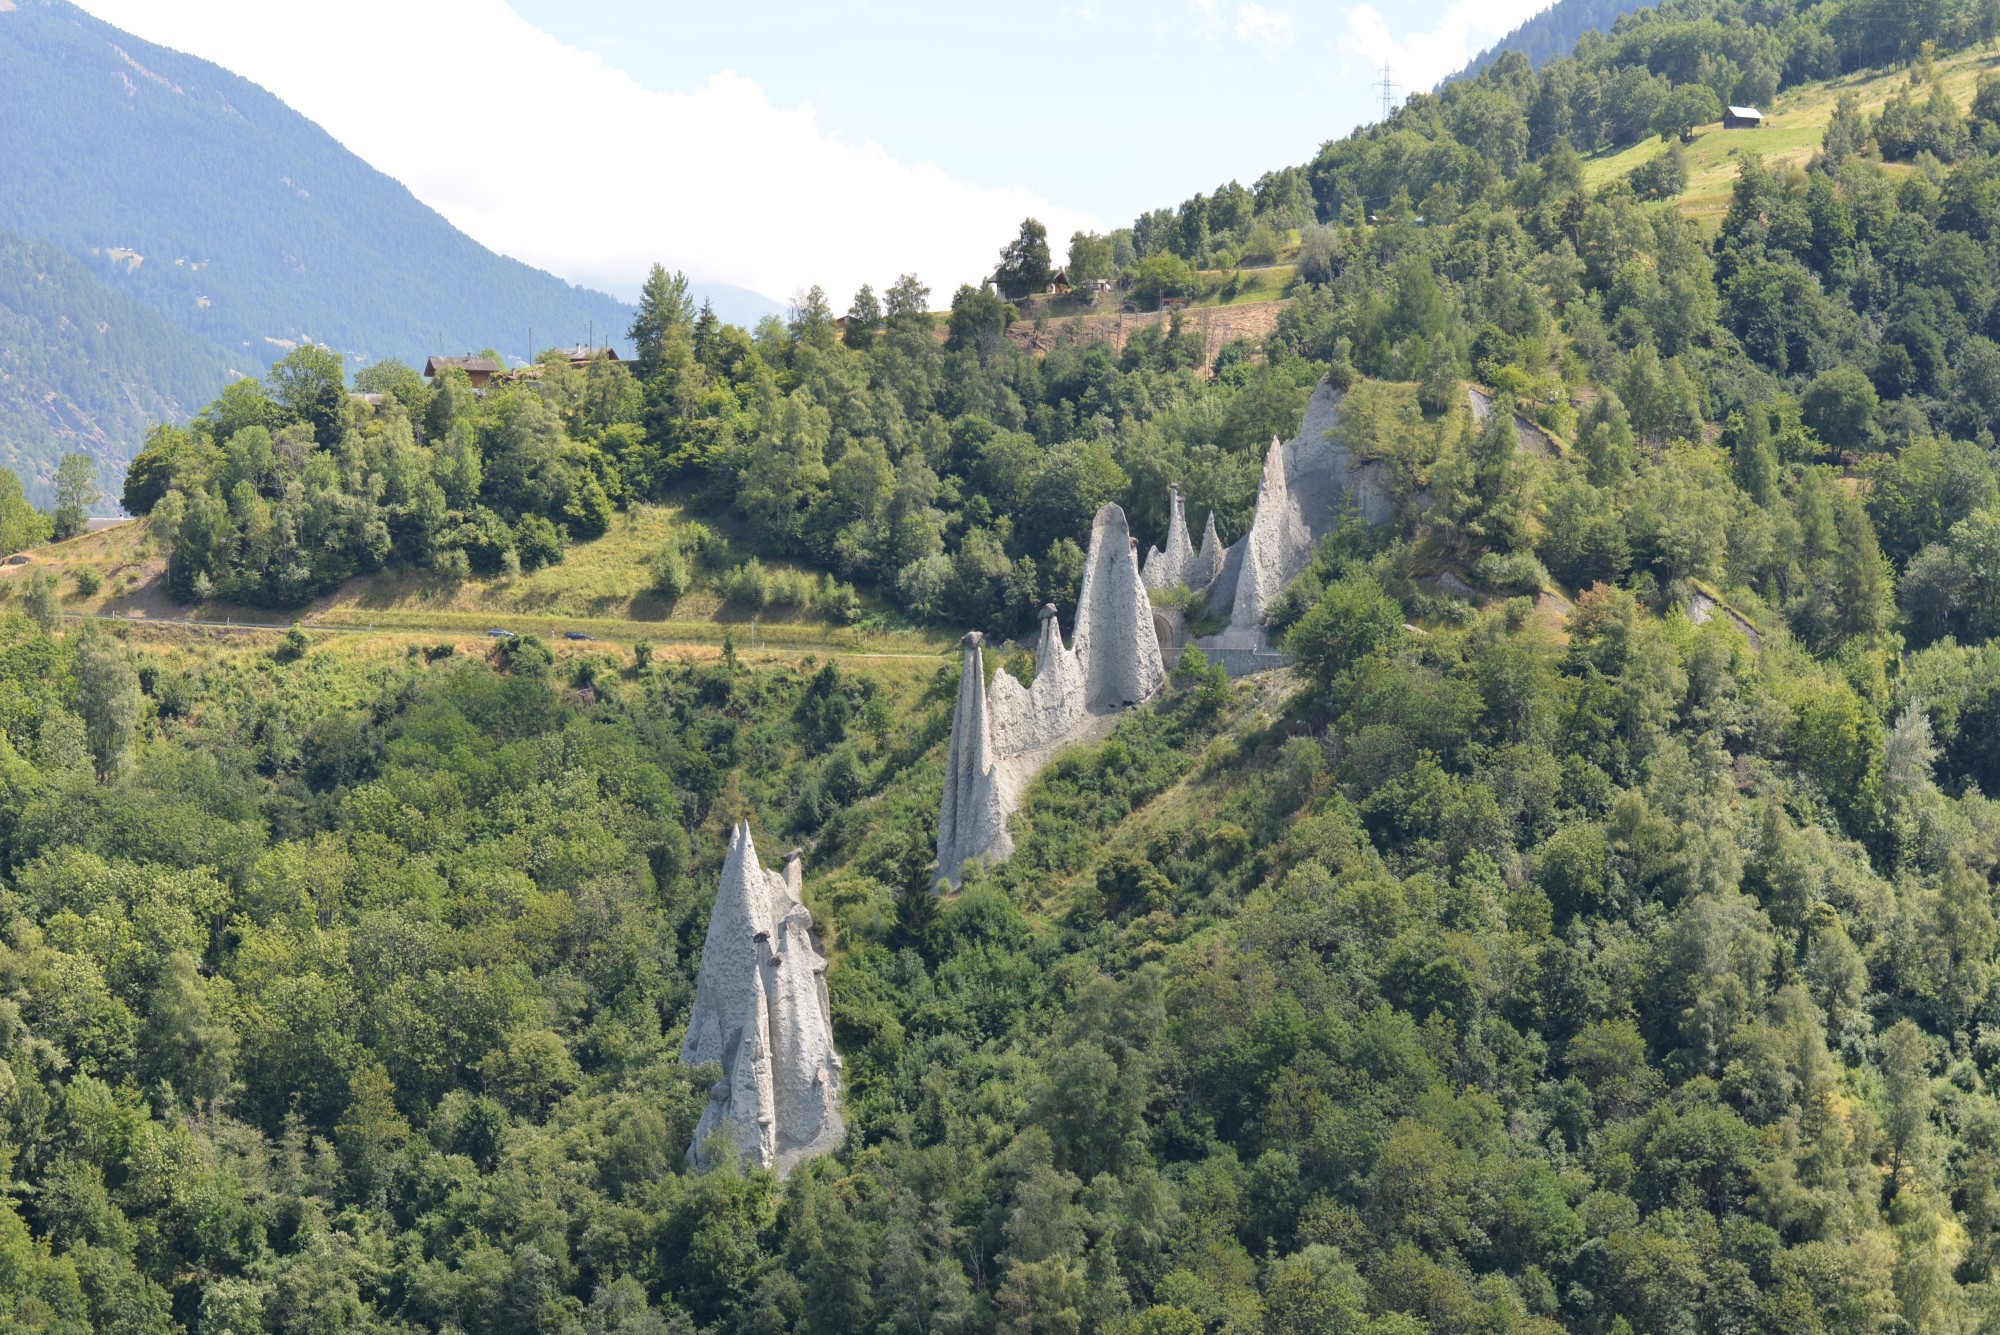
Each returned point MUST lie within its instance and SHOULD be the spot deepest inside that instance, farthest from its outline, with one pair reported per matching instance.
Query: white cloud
(1262, 27)
(546, 153)
(1418, 60)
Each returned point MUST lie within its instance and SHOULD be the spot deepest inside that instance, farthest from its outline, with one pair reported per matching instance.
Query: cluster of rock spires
(1308, 482)
(761, 1012)
(1182, 562)
(760, 1007)
(1001, 736)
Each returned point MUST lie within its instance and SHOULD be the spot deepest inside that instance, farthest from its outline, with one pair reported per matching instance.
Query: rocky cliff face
(761, 1012)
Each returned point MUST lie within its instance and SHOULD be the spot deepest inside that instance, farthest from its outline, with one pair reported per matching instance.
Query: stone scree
(761, 1012)
(1000, 737)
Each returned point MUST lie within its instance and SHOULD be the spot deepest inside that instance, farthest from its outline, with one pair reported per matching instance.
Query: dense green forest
(1611, 951)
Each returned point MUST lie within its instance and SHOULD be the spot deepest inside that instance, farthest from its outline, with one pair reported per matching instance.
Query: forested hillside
(1592, 930)
(208, 199)
(84, 366)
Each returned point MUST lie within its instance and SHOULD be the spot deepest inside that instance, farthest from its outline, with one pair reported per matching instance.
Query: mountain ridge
(1553, 33)
(181, 189)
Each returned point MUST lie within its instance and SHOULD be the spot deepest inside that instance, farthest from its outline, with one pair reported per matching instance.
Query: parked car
(501, 635)
(577, 635)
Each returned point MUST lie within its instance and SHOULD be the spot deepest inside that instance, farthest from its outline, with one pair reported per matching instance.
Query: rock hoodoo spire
(761, 1012)
(1205, 564)
(973, 821)
(1114, 620)
(1002, 735)
(1164, 569)
(1275, 549)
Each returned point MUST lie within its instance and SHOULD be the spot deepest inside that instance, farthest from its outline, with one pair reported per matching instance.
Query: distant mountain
(209, 229)
(734, 305)
(86, 366)
(1555, 31)
(213, 202)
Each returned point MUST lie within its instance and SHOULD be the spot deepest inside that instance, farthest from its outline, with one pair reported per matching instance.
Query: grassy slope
(601, 588)
(1791, 133)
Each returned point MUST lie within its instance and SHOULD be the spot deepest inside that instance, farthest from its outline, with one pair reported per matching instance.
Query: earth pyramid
(1002, 735)
(761, 1013)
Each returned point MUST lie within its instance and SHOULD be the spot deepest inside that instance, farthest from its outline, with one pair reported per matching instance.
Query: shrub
(1509, 572)
(748, 585)
(1662, 176)
(671, 574)
(45, 601)
(1163, 275)
(839, 602)
(539, 542)
(453, 566)
(486, 541)
(793, 588)
(88, 580)
(1352, 619)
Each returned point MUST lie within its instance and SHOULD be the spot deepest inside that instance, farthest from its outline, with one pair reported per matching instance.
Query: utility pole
(1388, 92)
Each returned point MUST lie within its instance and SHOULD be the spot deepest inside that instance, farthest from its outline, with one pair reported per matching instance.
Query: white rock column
(1275, 550)
(972, 822)
(1115, 643)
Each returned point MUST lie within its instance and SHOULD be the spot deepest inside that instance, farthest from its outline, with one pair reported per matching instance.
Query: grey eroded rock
(1206, 563)
(1166, 569)
(1276, 549)
(1308, 483)
(1114, 621)
(761, 1012)
(1003, 735)
(973, 820)
(1527, 436)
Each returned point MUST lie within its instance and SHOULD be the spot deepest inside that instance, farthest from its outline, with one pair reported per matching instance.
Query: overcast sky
(780, 143)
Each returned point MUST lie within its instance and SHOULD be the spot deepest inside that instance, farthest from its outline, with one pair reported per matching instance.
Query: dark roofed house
(478, 370)
(581, 357)
(1741, 118)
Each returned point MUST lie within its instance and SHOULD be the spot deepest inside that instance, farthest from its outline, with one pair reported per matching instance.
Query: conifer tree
(664, 306)
(916, 895)
(863, 322)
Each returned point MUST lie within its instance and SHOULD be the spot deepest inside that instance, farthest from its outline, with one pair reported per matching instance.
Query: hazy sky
(779, 143)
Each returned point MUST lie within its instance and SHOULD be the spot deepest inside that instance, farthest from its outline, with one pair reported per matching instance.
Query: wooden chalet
(1741, 118)
(478, 370)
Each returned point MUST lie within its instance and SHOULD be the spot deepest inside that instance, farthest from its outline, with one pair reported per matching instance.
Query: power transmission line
(1389, 91)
